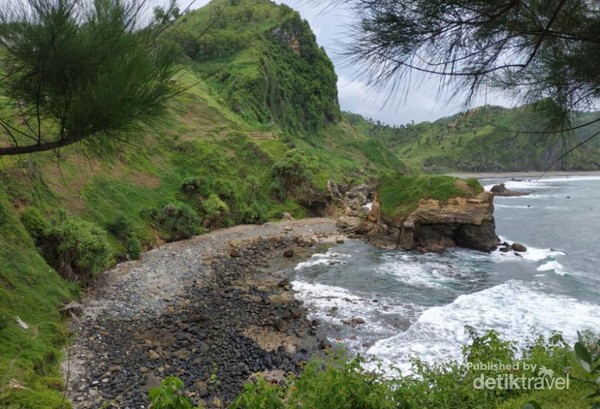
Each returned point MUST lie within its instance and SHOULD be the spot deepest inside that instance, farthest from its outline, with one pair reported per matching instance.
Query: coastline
(525, 175)
(213, 310)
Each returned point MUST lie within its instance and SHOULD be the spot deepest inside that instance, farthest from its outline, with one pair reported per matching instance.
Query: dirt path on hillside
(212, 310)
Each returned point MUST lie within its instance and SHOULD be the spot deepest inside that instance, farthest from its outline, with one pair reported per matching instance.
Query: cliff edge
(427, 214)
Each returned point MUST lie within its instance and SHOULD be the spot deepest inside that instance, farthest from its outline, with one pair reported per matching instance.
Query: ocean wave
(533, 254)
(329, 258)
(553, 266)
(516, 309)
(424, 271)
(334, 305)
(513, 207)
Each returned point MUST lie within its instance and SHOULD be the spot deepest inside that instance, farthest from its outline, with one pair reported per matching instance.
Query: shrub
(340, 382)
(77, 249)
(35, 223)
(178, 221)
(120, 227)
(214, 208)
(133, 247)
(194, 186)
(290, 172)
(169, 395)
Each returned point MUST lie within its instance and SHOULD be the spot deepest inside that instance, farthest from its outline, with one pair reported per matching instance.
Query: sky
(418, 98)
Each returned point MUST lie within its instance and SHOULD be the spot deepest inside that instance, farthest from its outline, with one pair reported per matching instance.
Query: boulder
(360, 194)
(518, 247)
(501, 190)
(355, 322)
(354, 225)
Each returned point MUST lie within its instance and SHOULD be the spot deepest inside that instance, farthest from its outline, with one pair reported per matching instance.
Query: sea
(417, 305)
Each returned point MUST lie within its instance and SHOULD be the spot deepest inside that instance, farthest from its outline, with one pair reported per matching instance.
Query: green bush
(35, 223)
(133, 247)
(120, 227)
(293, 171)
(215, 209)
(340, 382)
(77, 249)
(178, 221)
(194, 186)
(170, 395)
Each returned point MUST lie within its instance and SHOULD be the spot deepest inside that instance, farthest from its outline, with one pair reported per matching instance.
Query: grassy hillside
(264, 62)
(31, 291)
(489, 138)
(260, 137)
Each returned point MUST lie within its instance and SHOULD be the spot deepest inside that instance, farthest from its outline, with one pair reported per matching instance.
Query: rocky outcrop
(502, 190)
(461, 222)
(433, 226)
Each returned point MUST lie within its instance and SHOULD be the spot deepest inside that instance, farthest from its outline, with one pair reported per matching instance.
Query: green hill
(256, 131)
(488, 139)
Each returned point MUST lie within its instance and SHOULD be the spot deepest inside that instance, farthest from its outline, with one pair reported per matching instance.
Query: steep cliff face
(460, 222)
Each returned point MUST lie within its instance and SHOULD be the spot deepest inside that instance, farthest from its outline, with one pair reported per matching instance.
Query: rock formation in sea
(433, 226)
(502, 190)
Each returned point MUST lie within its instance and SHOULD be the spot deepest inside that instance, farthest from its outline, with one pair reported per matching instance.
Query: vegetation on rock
(400, 194)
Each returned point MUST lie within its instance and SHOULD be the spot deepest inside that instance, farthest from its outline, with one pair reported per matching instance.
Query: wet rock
(502, 190)
(518, 247)
(355, 322)
(288, 253)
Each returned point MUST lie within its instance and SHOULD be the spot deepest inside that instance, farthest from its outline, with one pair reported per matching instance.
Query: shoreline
(213, 310)
(527, 175)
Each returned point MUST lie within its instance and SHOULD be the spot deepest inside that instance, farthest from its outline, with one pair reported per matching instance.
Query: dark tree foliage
(78, 70)
(531, 49)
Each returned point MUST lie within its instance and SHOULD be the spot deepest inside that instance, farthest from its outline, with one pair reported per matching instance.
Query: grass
(32, 291)
(400, 194)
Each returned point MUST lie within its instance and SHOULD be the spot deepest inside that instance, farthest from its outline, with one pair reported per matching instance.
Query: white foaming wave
(412, 274)
(368, 206)
(534, 183)
(320, 299)
(329, 258)
(516, 309)
(532, 254)
(428, 274)
(553, 266)
(513, 207)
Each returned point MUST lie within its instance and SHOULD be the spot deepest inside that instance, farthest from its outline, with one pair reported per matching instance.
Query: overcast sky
(418, 99)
